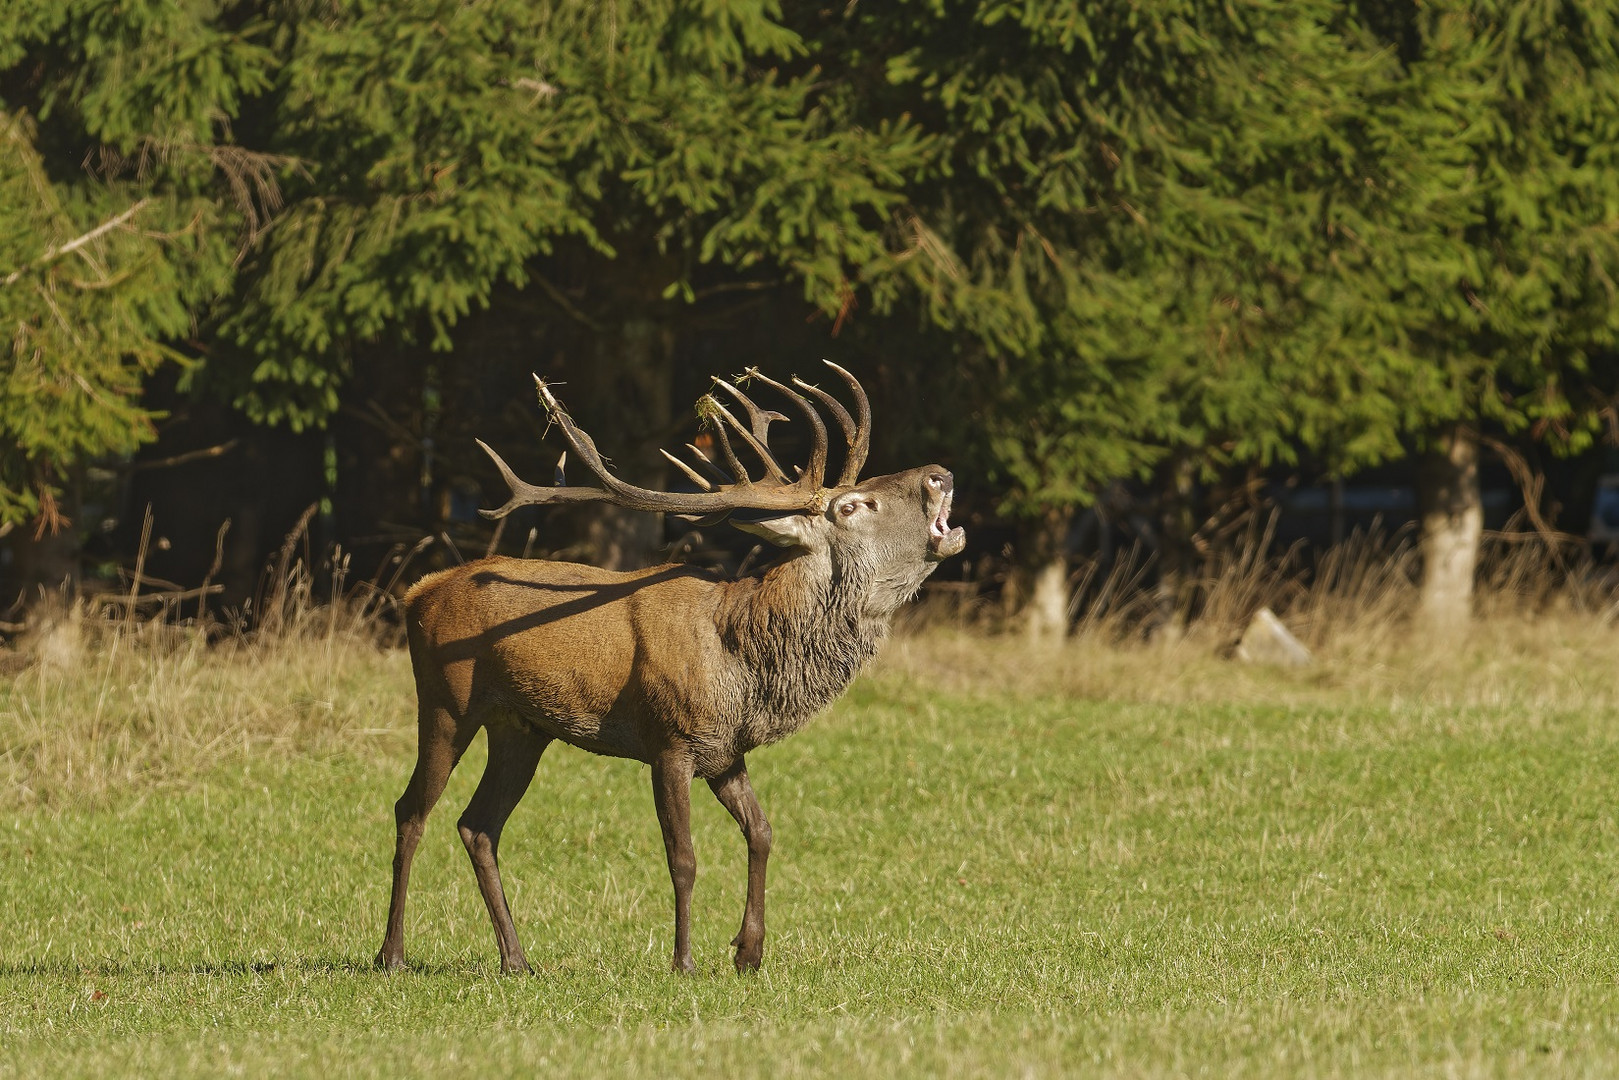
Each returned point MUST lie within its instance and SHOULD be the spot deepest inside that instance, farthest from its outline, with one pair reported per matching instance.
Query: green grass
(1306, 881)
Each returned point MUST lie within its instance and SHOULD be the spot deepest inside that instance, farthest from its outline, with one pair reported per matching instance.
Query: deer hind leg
(514, 752)
(441, 740)
(735, 793)
(671, 792)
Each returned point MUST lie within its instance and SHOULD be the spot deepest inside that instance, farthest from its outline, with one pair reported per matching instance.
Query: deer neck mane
(802, 628)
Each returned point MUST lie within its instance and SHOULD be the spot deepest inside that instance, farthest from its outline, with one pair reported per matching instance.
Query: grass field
(988, 862)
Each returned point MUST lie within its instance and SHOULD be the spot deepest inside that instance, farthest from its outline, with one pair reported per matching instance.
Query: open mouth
(943, 541)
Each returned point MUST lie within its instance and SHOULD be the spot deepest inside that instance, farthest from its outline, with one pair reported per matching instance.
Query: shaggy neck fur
(802, 630)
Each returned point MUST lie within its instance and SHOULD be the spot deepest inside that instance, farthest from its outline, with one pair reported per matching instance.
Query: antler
(856, 434)
(718, 496)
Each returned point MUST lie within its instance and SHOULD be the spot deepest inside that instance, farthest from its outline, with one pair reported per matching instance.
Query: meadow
(991, 859)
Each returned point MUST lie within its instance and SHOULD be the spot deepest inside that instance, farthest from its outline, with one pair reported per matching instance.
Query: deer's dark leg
(513, 755)
(671, 791)
(440, 744)
(735, 793)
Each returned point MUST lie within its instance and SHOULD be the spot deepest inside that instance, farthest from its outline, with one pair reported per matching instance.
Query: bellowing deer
(675, 666)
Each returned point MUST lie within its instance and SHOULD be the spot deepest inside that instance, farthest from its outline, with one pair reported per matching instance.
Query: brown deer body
(674, 666)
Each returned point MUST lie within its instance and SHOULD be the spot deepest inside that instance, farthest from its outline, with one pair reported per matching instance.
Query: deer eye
(849, 507)
(935, 481)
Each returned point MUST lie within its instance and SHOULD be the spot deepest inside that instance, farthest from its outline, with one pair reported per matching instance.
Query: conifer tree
(1481, 276)
(391, 165)
(446, 147)
(117, 224)
(1113, 216)
(1189, 235)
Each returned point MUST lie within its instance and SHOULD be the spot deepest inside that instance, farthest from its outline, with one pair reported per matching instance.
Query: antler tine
(759, 418)
(707, 406)
(816, 470)
(851, 434)
(582, 443)
(519, 487)
(691, 474)
(860, 441)
(833, 406)
(526, 494)
(705, 462)
(760, 422)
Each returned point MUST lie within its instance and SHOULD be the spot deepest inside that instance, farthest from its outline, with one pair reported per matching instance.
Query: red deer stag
(675, 666)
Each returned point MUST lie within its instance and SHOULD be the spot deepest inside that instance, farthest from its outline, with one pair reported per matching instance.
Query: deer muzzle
(944, 541)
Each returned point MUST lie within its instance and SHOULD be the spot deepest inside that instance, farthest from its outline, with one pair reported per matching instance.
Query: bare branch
(186, 458)
(78, 242)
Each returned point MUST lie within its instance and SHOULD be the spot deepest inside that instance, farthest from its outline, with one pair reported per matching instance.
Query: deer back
(591, 656)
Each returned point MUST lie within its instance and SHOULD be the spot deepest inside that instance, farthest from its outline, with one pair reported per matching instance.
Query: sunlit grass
(1145, 861)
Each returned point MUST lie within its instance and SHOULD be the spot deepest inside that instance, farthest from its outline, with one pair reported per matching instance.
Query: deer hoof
(389, 964)
(682, 965)
(748, 954)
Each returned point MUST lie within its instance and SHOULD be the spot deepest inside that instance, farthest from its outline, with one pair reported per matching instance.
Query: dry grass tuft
(1544, 635)
(111, 702)
(1539, 662)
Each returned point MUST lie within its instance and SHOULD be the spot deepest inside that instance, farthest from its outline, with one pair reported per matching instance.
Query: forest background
(1130, 270)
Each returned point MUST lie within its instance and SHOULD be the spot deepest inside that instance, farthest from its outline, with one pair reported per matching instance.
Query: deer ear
(788, 530)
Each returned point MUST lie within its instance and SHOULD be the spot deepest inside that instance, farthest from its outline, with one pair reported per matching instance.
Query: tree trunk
(1452, 510)
(1176, 556)
(1040, 581)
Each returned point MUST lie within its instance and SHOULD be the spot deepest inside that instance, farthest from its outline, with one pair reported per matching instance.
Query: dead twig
(77, 242)
(184, 459)
(1531, 485)
(168, 596)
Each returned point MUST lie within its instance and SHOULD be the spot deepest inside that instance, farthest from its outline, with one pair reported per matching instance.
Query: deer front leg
(671, 791)
(735, 793)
